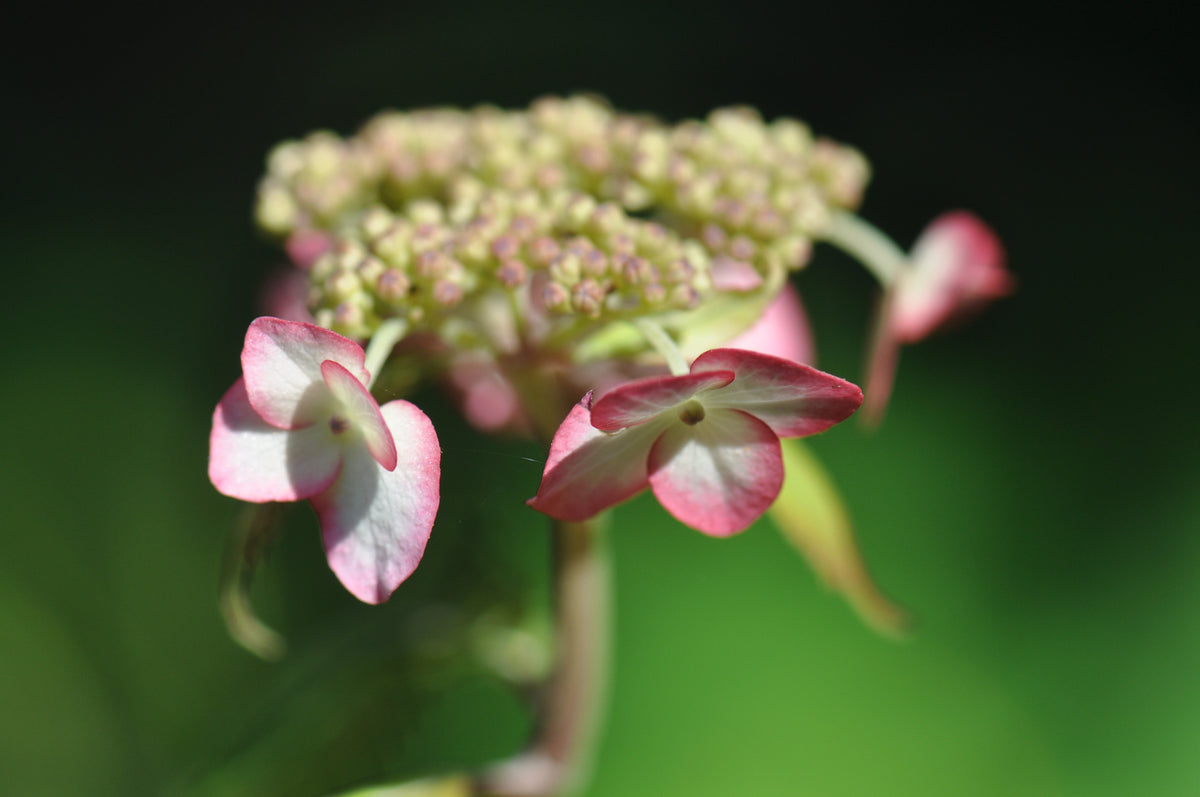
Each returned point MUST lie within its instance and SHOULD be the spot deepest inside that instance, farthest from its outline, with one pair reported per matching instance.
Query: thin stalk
(559, 760)
(382, 342)
(657, 337)
(866, 243)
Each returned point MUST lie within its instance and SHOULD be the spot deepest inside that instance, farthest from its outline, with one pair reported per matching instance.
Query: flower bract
(955, 267)
(301, 424)
(706, 442)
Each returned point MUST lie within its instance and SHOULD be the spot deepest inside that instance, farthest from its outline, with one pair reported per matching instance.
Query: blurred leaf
(449, 786)
(811, 515)
(248, 539)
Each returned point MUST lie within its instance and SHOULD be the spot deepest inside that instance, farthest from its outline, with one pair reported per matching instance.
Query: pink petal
(254, 461)
(793, 399)
(636, 402)
(375, 523)
(305, 246)
(719, 475)
(282, 365)
(285, 295)
(734, 275)
(358, 403)
(588, 470)
(957, 265)
(881, 365)
(487, 399)
(782, 331)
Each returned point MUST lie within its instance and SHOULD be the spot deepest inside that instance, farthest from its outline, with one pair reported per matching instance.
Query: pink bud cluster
(562, 255)
(576, 180)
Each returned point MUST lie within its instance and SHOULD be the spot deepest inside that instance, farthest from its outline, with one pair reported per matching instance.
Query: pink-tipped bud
(447, 292)
(543, 250)
(512, 273)
(392, 285)
(505, 246)
(594, 263)
(742, 248)
(713, 236)
(555, 297)
(588, 297)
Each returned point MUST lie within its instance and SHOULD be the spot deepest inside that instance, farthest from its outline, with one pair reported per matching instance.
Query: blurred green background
(1032, 496)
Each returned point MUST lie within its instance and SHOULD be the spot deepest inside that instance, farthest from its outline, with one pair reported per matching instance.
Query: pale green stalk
(871, 247)
(382, 342)
(657, 337)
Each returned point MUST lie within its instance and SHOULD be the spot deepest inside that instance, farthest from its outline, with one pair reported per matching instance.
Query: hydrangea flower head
(706, 442)
(301, 424)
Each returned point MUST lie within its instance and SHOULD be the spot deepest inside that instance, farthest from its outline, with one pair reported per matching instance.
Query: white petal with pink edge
(719, 475)
(375, 523)
(636, 402)
(282, 360)
(588, 470)
(362, 411)
(957, 263)
(254, 461)
(793, 399)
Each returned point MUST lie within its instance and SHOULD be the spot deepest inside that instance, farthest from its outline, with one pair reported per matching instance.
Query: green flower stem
(871, 247)
(657, 337)
(559, 760)
(382, 342)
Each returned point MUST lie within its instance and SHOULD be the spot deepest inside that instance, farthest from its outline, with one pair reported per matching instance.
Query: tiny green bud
(566, 268)
(342, 284)
(276, 211)
(578, 211)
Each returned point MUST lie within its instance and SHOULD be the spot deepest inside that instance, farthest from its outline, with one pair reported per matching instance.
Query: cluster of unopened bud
(431, 206)
(556, 255)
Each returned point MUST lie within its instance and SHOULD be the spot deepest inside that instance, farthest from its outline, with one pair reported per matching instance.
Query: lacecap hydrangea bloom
(706, 443)
(519, 258)
(300, 423)
(622, 289)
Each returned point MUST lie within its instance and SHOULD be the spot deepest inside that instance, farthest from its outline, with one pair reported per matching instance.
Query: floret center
(692, 412)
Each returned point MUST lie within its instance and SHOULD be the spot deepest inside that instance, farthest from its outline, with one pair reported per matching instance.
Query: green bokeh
(1032, 497)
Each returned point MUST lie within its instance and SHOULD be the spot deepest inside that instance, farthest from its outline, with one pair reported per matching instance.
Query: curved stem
(657, 337)
(559, 759)
(247, 539)
(382, 342)
(871, 247)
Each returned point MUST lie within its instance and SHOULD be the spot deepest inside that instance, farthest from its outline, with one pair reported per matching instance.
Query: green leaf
(812, 516)
(451, 786)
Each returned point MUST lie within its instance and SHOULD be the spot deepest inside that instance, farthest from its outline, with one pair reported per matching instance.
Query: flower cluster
(566, 255)
(527, 258)
(559, 191)
(706, 443)
(301, 423)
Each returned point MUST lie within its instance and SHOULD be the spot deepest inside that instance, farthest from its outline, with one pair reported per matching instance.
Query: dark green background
(1032, 496)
